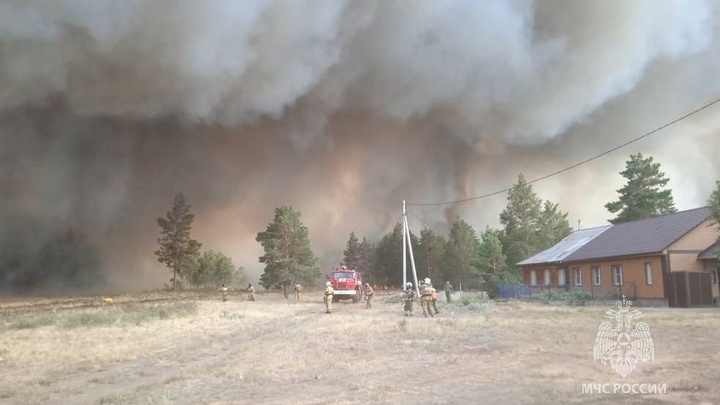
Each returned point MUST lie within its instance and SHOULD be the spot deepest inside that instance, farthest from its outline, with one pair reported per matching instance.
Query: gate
(690, 289)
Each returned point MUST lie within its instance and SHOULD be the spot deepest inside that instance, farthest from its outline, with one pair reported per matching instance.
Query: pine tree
(714, 203)
(352, 251)
(521, 221)
(553, 226)
(643, 195)
(177, 250)
(430, 254)
(288, 257)
(365, 259)
(490, 258)
(388, 257)
(461, 252)
(491, 263)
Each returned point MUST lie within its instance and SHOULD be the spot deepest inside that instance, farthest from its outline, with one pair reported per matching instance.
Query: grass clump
(129, 314)
(28, 322)
(134, 313)
(474, 304)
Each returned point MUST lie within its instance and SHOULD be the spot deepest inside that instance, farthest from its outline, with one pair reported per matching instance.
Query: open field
(198, 350)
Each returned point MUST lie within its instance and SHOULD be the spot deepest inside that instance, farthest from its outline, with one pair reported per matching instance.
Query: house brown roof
(711, 252)
(651, 235)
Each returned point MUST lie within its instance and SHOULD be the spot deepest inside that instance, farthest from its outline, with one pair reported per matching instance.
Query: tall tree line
(489, 258)
(464, 256)
(529, 225)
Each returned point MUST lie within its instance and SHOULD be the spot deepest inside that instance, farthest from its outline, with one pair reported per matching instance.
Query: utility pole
(404, 286)
(427, 259)
(407, 243)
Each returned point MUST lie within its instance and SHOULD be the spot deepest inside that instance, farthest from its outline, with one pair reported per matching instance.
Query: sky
(342, 109)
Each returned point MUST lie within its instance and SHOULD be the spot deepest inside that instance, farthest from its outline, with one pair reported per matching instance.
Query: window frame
(547, 277)
(597, 275)
(577, 275)
(533, 277)
(615, 273)
(562, 276)
(649, 274)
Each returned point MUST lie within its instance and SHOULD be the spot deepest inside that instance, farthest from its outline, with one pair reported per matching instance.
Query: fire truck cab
(347, 284)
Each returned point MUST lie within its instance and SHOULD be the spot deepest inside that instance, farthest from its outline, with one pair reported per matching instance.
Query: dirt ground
(194, 350)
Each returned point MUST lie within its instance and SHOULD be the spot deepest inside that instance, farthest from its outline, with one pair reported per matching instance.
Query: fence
(567, 292)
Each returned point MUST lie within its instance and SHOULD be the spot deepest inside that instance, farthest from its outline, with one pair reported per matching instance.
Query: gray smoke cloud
(339, 108)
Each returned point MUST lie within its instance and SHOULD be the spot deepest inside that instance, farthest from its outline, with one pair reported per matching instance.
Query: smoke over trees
(340, 108)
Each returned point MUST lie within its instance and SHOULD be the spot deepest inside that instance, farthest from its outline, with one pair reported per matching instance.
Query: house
(666, 260)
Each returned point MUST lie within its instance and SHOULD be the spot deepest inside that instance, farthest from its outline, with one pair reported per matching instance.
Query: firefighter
(251, 292)
(449, 291)
(433, 293)
(224, 292)
(298, 289)
(426, 298)
(408, 300)
(328, 297)
(368, 296)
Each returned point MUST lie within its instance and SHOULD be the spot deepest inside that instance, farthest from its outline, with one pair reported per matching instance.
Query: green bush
(572, 295)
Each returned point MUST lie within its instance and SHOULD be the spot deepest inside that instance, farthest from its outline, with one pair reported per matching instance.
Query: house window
(617, 274)
(561, 277)
(578, 276)
(533, 277)
(648, 273)
(597, 280)
(547, 276)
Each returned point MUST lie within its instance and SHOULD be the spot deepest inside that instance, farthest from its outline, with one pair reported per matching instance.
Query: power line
(645, 135)
(419, 220)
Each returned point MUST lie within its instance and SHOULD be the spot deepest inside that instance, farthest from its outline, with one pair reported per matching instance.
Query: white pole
(412, 257)
(404, 249)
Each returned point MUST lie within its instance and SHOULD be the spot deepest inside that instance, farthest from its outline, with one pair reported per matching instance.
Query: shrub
(572, 295)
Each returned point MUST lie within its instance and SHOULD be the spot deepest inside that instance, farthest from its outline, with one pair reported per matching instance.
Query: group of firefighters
(251, 291)
(428, 296)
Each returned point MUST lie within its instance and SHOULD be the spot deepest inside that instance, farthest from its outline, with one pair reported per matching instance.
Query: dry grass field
(198, 350)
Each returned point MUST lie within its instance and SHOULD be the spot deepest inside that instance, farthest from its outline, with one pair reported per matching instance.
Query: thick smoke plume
(339, 108)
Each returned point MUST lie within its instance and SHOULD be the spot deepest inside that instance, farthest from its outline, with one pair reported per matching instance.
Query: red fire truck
(347, 284)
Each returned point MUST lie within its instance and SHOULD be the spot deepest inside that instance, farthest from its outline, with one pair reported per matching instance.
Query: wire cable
(419, 220)
(645, 135)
